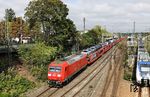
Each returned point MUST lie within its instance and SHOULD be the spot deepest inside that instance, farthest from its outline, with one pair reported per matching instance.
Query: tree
(66, 36)
(2, 32)
(20, 28)
(9, 14)
(52, 15)
(96, 34)
(92, 37)
(46, 12)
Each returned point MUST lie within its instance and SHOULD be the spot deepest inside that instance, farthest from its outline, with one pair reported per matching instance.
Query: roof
(144, 62)
(75, 58)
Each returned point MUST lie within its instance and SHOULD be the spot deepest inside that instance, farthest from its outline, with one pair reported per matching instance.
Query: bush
(3, 64)
(127, 76)
(40, 72)
(37, 54)
(12, 85)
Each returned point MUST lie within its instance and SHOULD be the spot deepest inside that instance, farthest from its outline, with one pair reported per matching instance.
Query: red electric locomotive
(61, 71)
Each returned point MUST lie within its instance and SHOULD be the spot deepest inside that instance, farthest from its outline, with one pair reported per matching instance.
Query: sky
(114, 15)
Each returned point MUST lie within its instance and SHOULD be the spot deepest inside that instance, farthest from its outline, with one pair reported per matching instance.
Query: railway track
(143, 92)
(44, 91)
(49, 92)
(117, 75)
(111, 81)
(109, 78)
(139, 92)
(116, 82)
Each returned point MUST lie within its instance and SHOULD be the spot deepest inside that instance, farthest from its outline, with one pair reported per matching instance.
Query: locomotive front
(56, 73)
(144, 73)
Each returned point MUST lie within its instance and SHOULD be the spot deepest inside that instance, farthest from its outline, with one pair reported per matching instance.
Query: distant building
(82, 32)
(24, 40)
(15, 40)
(131, 41)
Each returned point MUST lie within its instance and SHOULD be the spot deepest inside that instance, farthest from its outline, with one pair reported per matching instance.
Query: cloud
(17, 5)
(116, 15)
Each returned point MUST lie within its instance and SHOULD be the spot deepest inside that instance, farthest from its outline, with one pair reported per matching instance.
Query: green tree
(9, 14)
(66, 37)
(2, 32)
(52, 16)
(35, 32)
(48, 12)
(92, 37)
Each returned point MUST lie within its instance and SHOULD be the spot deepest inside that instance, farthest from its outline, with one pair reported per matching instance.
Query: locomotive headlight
(58, 75)
(49, 74)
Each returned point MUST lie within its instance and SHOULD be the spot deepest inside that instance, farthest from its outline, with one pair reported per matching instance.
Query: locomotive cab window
(58, 69)
(55, 69)
(52, 69)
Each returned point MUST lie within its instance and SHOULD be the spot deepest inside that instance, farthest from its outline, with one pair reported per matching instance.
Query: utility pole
(134, 27)
(133, 34)
(133, 31)
(84, 24)
(147, 40)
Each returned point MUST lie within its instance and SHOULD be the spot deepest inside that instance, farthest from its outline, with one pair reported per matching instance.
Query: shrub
(12, 85)
(40, 72)
(127, 76)
(37, 54)
(3, 63)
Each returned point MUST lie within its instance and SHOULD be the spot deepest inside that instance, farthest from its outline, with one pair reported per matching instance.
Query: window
(52, 69)
(145, 68)
(55, 69)
(58, 69)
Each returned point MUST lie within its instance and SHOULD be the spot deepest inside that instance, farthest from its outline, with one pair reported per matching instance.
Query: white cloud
(17, 5)
(116, 15)
(141, 7)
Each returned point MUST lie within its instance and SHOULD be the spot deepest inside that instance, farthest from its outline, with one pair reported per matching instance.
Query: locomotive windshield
(55, 69)
(145, 68)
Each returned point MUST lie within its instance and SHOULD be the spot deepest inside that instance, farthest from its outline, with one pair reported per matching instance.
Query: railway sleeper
(56, 84)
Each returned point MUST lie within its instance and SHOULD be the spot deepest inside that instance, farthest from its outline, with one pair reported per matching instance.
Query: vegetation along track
(49, 91)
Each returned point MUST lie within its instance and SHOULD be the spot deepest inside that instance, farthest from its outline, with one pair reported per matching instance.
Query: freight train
(143, 65)
(61, 71)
